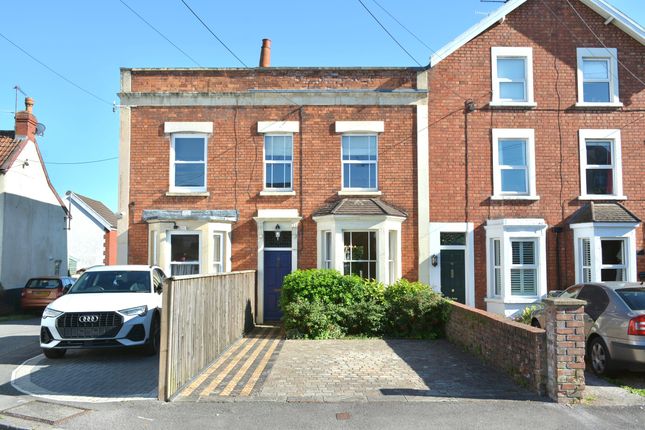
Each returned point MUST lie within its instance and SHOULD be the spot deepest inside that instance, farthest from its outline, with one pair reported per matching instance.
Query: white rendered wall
(85, 239)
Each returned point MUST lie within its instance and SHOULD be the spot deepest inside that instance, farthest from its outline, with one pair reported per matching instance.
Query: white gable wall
(85, 238)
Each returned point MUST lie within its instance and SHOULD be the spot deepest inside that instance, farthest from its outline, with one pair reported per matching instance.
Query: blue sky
(88, 41)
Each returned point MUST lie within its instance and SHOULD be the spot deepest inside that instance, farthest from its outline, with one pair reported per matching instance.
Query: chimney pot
(265, 53)
(29, 104)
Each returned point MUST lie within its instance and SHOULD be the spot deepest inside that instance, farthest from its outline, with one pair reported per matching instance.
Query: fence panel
(201, 317)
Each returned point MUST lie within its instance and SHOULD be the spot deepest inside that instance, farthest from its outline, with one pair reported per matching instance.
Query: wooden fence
(201, 317)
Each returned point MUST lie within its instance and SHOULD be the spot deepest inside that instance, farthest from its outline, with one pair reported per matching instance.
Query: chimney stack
(26, 121)
(265, 53)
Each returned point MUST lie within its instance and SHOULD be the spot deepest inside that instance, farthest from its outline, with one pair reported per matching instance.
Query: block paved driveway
(266, 367)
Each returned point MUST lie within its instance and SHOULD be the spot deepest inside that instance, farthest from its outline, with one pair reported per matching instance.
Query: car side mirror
(555, 293)
(66, 289)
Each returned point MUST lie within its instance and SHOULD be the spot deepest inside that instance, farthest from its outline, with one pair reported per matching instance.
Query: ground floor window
(360, 253)
(613, 260)
(523, 268)
(327, 246)
(184, 254)
(391, 255)
(219, 251)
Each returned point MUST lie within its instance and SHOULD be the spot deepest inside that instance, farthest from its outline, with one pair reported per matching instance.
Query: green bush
(323, 304)
(415, 310)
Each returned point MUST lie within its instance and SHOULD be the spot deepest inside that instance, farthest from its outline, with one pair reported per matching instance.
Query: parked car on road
(109, 306)
(39, 292)
(614, 324)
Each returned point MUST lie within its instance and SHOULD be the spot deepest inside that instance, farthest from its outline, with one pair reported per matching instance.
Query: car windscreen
(112, 281)
(43, 283)
(634, 297)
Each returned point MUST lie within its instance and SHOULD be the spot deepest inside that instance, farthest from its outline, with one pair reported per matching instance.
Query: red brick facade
(460, 144)
(235, 153)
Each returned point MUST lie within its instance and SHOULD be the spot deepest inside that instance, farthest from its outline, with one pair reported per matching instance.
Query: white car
(109, 306)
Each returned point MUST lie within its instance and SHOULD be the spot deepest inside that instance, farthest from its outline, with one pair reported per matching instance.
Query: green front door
(453, 274)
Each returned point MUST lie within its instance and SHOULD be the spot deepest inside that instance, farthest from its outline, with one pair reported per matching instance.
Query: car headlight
(139, 310)
(51, 313)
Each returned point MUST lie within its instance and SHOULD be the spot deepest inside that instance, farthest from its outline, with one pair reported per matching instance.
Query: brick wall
(517, 349)
(460, 168)
(235, 151)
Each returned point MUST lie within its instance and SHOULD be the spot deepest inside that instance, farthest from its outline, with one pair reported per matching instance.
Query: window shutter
(586, 260)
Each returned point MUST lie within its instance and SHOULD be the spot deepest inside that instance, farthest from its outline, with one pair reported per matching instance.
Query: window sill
(267, 193)
(188, 194)
(525, 105)
(587, 105)
(513, 300)
(601, 197)
(359, 193)
(528, 198)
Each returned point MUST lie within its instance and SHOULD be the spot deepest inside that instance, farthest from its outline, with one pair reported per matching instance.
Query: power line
(388, 33)
(404, 27)
(159, 33)
(69, 81)
(214, 35)
(81, 162)
(603, 45)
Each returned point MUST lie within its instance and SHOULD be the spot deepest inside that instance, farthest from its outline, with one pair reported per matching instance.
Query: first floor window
(523, 268)
(513, 162)
(184, 254)
(218, 252)
(359, 158)
(512, 75)
(278, 162)
(327, 243)
(613, 260)
(597, 75)
(600, 168)
(188, 163)
(360, 253)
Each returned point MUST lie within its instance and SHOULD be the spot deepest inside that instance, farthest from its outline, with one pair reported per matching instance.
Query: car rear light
(637, 326)
(22, 293)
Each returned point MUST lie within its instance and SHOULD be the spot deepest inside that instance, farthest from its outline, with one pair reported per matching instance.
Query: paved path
(18, 342)
(265, 367)
(241, 370)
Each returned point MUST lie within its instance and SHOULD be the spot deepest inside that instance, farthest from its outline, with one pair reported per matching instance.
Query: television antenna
(17, 88)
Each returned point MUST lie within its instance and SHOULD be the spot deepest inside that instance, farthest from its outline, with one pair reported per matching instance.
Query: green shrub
(323, 304)
(527, 313)
(415, 310)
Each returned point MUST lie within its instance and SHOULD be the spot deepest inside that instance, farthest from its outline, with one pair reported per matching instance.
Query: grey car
(614, 324)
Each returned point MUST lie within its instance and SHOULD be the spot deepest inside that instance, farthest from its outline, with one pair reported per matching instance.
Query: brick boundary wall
(515, 348)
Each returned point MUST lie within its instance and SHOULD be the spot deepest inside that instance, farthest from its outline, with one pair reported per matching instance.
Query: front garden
(323, 304)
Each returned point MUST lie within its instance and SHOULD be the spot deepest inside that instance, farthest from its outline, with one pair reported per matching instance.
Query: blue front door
(277, 264)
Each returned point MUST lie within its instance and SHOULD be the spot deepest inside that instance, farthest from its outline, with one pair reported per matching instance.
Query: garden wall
(517, 349)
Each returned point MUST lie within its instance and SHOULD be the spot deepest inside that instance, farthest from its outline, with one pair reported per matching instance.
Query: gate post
(565, 346)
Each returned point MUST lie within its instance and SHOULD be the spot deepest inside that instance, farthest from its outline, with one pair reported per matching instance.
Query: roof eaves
(602, 8)
(79, 200)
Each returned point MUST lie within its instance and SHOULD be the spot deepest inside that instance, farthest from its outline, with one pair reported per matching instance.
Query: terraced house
(511, 165)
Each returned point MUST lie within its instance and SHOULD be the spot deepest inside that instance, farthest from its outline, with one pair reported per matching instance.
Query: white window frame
(265, 162)
(199, 249)
(219, 266)
(343, 162)
(327, 250)
(612, 135)
(375, 261)
(173, 162)
(496, 267)
(611, 56)
(526, 53)
(596, 232)
(586, 266)
(525, 266)
(509, 230)
(623, 266)
(392, 253)
(528, 135)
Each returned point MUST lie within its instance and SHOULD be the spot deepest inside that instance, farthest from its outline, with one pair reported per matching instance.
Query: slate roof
(360, 206)
(603, 212)
(100, 209)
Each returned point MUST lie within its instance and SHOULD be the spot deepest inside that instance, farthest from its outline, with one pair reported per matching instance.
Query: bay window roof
(360, 206)
(603, 212)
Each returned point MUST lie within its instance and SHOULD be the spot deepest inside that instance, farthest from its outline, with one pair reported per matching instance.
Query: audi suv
(108, 306)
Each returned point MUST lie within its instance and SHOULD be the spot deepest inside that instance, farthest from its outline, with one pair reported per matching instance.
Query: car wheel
(54, 353)
(152, 346)
(599, 357)
(535, 323)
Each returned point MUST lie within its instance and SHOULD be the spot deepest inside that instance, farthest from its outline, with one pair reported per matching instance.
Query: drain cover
(44, 412)
(341, 416)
